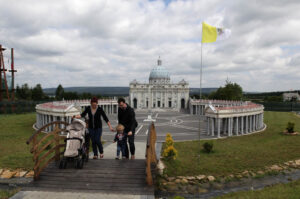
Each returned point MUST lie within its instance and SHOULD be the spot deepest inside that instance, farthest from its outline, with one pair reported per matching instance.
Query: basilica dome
(159, 73)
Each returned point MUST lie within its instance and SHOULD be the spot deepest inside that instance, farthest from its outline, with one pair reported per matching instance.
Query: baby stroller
(75, 149)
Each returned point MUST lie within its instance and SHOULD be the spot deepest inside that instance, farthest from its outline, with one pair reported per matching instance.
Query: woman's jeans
(96, 140)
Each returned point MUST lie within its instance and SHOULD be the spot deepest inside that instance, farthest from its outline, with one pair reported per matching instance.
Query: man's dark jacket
(127, 118)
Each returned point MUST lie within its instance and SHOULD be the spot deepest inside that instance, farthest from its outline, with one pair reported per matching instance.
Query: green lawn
(237, 154)
(14, 131)
(290, 191)
(4, 194)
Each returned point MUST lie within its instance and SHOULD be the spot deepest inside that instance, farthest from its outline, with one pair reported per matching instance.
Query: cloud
(110, 43)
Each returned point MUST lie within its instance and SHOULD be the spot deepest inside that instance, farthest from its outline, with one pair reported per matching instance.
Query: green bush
(290, 127)
(208, 147)
(169, 141)
(169, 152)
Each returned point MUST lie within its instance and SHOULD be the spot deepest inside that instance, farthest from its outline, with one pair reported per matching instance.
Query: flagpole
(200, 94)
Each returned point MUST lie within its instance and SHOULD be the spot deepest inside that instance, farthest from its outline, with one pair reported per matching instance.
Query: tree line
(36, 93)
(230, 91)
(233, 91)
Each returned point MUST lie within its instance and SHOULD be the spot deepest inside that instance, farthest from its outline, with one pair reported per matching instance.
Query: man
(126, 117)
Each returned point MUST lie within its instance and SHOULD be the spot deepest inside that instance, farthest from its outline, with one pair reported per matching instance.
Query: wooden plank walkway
(102, 175)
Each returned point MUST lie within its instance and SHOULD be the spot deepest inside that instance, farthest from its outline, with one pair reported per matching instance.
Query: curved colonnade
(229, 118)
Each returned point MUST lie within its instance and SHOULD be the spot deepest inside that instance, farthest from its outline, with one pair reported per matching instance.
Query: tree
(18, 91)
(273, 98)
(86, 96)
(37, 93)
(70, 96)
(59, 92)
(231, 91)
(24, 92)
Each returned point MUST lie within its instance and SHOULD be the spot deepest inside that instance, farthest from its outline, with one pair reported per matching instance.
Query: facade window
(170, 104)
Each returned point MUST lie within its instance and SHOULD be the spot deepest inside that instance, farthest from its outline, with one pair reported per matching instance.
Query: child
(120, 139)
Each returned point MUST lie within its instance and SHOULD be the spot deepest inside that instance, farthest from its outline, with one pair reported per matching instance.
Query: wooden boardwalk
(105, 175)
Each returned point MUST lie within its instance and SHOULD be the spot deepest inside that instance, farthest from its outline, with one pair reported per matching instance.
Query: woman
(95, 125)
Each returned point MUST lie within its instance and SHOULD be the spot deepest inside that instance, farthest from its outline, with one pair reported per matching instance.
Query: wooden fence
(46, 144)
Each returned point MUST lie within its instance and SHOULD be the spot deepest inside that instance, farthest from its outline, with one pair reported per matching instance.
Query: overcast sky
(112, 42)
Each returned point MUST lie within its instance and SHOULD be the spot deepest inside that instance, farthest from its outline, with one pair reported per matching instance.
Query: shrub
(169, 136)
(169, 141)
(170, 153)
(290, 127)
(208, 147)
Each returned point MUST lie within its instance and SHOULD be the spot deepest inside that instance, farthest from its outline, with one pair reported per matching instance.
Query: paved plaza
(182, 126)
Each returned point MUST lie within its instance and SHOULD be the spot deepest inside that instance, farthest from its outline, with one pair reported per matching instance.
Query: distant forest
(114, 91)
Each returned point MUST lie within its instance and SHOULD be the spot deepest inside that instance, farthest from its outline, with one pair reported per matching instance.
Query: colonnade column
(257, 121)
(212, 126)
(62, 118)
(251, 124)
(48, 121)
(237, 125)
(254, 123)
(229, 126)
(219, 127)
(247, 124)
(262, 119)
(208, 123)
(44, 119)
(224, 123)
(242, 125)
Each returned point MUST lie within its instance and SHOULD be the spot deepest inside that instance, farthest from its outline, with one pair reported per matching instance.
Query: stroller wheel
(86, 159)
(76, 163)
(62, 164)
(65, 164)
(80, 164)
(86, 156)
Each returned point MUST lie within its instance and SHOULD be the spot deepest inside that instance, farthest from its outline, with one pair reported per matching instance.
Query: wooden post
(150, 154)
(148, 169)
(12, 77)
(36, 158)
(152, 144)
(56, 137)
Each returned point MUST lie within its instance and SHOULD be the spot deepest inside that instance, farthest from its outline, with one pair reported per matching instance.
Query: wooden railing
(45, 145)
(151, 159)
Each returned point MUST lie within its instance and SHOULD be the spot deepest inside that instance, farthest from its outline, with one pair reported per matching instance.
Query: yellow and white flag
(211, 34)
